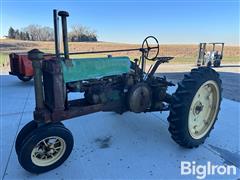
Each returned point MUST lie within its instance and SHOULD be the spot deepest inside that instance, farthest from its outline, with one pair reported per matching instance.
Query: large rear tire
(195, 107)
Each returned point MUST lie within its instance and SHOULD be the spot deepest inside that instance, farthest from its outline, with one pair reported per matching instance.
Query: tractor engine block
(100, 90)
(99, 95)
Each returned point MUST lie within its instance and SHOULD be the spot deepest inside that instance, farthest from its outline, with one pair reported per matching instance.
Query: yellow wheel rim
(48, 151)
(203, 109)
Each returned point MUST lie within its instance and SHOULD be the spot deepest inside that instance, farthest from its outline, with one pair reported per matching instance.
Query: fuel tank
(94, 68)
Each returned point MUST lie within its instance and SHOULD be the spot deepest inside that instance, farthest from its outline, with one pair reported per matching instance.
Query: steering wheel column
(150, 50)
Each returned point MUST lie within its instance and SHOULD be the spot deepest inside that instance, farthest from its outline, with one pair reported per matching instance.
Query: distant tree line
(38, 33)
(32, 33)
(82, 33)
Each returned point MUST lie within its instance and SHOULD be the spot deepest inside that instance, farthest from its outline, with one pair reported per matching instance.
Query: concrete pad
(228, 126)
(8, 129)
(131, 146)
(14, 94)
(139, 146)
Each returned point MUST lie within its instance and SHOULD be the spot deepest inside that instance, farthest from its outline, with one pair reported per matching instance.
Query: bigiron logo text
(202, 171)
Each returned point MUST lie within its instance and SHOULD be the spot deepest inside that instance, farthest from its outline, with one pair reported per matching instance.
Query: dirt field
(8, 45)
(183, 53)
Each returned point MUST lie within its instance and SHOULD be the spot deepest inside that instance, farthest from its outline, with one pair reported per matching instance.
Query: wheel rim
(48, 151)
(203, 109)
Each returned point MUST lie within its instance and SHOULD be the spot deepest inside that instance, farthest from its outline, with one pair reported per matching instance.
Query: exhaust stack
(64, 15)
(56, 33)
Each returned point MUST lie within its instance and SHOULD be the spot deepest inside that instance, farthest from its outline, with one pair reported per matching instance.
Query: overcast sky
(130, 21)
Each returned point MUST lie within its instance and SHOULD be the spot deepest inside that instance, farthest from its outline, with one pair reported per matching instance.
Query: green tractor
(114, 84)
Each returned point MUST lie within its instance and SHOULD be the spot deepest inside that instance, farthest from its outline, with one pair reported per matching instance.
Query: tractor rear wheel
(195, 107)
(45, 148)
(24, 78)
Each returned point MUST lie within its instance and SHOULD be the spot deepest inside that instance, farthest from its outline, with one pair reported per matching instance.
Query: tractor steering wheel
(147, 48)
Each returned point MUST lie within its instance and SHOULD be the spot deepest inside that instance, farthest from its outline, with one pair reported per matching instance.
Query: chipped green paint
(92, 68)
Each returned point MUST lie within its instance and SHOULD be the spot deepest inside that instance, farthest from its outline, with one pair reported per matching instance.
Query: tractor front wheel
(195, 107)
(25, 131)
(45, 148)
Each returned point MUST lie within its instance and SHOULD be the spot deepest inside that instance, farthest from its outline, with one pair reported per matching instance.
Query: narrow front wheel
(45, 148)
(25, 131)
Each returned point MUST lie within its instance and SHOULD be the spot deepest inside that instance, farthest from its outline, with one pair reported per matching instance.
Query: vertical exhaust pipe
(56, 33)
(64, 16)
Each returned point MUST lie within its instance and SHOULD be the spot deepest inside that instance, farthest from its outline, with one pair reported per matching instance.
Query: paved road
(230, 75)
(230, 83)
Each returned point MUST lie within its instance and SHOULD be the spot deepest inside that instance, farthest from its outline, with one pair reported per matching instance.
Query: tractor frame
(59, 108)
